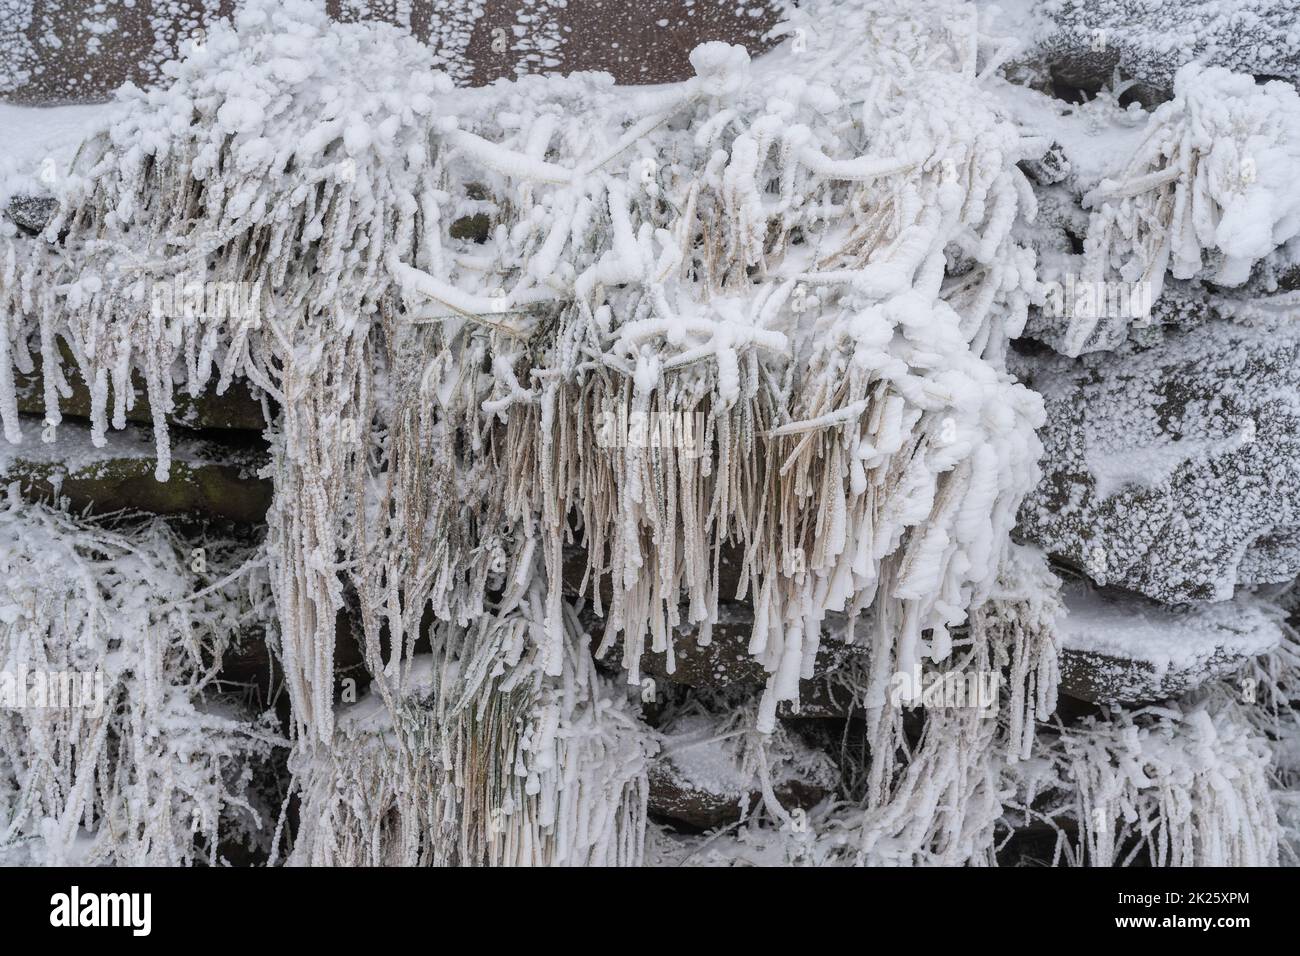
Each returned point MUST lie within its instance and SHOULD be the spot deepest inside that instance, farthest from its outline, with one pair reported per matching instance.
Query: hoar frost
(815, 255)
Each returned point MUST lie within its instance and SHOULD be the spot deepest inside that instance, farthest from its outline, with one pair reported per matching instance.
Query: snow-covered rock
(206, 479)
(31, 212)
(1173, 471)
(1082, 44)
(82, 52)
(709, 772)
(1195, 198)
(1183, 304)
(1116, 648)
(1209, 193)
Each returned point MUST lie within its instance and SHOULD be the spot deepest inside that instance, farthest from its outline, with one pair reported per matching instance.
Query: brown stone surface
(70, 51)
(205, 479)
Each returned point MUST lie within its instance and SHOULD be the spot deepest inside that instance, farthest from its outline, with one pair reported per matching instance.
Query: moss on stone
(192, 488)
(474, 228)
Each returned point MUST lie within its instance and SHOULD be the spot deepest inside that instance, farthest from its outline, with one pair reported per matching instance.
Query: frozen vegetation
(964, 529)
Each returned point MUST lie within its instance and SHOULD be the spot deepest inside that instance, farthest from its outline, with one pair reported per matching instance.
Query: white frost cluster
(1209, 191)
(1176, 785)
(133, 765)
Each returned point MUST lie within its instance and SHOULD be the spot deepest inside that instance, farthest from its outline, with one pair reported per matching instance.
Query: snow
(825, 255)
(1113, 469)
(1094, 136)
(1184, 639)
(1170, 471)
(72, 448)
(32, 135)
(718, 757)
(16, 54)
(1208, 194)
